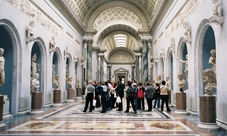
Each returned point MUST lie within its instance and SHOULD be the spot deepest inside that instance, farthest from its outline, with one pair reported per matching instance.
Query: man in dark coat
(120, 93)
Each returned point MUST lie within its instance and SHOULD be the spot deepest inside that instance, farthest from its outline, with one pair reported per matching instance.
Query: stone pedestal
(181, 103)
(70, 95)
(37, 103)
(57, 98)
(78, 92)
(2, 125)
(207, 112)
(169, 94)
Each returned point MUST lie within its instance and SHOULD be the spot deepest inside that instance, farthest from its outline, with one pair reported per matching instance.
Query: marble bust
(209, 78)
(2, 67)
(69, 82)
(35, 84)
(182, 82)
(212, 59)
(56, 82)
(159, 79)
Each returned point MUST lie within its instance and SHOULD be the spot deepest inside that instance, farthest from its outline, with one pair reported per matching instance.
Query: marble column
(133, 69)
(109, 73)
(101, 68)
(137, 67)
(145, 62)
(89, 59)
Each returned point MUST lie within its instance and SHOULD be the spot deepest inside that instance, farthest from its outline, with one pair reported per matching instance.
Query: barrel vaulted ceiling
(118, 23)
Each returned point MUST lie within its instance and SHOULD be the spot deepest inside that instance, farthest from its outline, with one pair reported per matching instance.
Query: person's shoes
(168, 110)
(135, 112)
(148, 110)
(102, 112)
(84, 111)
(126, 111)
(119, 110)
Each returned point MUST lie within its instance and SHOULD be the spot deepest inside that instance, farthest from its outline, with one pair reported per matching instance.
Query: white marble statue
(78, 83)
(216, 4)
(186, 66)
(209, 78)
(212, 59)
(2, 67)
(35, 84)
(30, 32)
(182, 82)
(34, 66)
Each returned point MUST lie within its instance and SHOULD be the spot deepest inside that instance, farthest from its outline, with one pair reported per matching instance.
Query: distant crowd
(109, 95)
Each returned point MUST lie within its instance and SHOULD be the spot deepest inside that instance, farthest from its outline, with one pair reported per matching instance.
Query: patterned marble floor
(70, 120)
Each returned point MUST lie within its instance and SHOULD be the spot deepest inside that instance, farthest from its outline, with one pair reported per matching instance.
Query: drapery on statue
(182, 82)
(212, 59)
(35, 84)
(2, 67)
(34, 65)
(209, 78)
(55, 78)
(186, 66)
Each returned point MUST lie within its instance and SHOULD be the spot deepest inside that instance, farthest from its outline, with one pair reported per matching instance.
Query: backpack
(131, 92)
(140, 93)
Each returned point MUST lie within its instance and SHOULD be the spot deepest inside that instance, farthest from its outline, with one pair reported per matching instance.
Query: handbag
(94, 102)
(118, 100)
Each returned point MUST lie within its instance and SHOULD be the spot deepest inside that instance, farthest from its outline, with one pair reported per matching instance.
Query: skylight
(120, 40)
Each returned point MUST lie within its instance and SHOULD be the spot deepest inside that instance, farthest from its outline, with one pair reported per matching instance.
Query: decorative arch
(43, 77)
(90, 21)
(17, 66)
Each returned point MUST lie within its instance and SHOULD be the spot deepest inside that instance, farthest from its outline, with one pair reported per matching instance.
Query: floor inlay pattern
(102, 126)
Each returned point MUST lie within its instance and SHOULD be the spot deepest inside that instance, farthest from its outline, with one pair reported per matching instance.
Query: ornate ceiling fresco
(113, 17)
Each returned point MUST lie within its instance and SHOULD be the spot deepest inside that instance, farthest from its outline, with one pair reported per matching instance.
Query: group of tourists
(109, 95)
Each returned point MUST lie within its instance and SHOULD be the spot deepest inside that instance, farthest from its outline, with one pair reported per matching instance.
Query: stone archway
(17, 66)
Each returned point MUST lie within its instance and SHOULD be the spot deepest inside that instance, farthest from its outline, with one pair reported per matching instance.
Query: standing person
(149, 95)
(113, 94)
(130, 96)
(157, 96)
(140, 96)
(90, 89)
(164, 96)
(134, 86)
(97, 94)
(120, 93)
(103, 93)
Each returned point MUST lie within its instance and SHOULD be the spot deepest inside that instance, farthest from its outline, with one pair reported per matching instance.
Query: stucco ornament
(209, 79)
(30, 32)
(52, 44)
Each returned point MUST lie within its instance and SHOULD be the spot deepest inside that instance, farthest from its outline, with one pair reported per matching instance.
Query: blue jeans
(157, 100)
